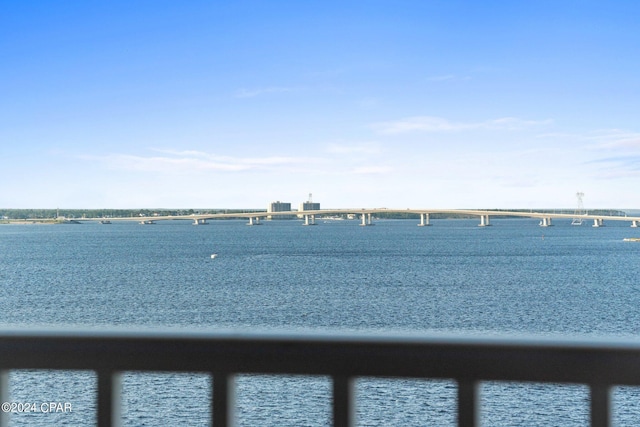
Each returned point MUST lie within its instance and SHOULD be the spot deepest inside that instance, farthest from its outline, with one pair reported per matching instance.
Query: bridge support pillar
(634, 224)
(366, 220)
(598, 222)
(484, 221)
(309, 220)
(545, 222)
(252, 222)
(201, 221)
(424, 220)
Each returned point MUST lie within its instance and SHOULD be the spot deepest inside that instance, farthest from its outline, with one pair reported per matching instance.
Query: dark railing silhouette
(600, 364)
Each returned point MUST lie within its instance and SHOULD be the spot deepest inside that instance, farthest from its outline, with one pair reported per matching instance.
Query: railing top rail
(545, 359)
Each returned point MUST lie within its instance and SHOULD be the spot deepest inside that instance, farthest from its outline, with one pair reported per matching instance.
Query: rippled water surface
(513, 277)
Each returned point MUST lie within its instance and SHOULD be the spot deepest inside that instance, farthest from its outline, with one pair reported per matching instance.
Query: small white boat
(631, 239)
(213, 256)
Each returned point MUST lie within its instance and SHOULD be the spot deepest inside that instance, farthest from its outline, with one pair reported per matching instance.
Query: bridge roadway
(366, 216)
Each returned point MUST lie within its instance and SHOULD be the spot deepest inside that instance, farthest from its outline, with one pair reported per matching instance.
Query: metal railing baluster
(4, 397)
(343, 401)
(223, 400)
(600, 405)
(468, 411)
(109, 398)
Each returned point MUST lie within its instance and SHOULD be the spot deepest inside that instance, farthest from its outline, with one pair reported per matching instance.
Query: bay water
(512, 278)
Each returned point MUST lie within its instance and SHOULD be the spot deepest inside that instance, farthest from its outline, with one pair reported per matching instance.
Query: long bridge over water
(366, 215)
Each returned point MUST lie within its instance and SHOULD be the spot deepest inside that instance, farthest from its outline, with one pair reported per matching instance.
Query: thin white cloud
(439, 124)
(338, 160)
(616, 139)
(192, 161)
(271, 160)
(607, 153)
(163, 164)
(618, 166)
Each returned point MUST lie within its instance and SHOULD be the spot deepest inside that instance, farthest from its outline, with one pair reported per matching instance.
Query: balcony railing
(467, 360)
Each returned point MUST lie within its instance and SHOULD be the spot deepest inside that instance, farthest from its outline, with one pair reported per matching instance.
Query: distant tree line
(108, 213)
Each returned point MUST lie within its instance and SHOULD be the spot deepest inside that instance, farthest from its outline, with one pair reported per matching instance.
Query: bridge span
(366, 216)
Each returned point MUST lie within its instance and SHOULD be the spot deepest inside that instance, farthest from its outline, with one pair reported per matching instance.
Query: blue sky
(422, 104)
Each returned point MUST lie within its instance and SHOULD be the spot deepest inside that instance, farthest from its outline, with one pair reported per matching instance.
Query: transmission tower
(577, 220)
